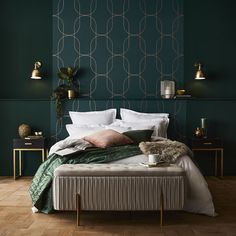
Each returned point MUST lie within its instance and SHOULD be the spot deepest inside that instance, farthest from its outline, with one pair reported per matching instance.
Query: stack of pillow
(102, 129)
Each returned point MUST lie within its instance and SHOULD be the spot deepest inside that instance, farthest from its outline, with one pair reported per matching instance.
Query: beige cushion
(107, 138)
(117, 170)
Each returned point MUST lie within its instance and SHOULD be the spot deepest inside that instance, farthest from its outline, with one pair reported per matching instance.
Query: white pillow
(120, 129)
(131, 125)
(159, 125)
(105, 117)
(80, 131)
(130, 115)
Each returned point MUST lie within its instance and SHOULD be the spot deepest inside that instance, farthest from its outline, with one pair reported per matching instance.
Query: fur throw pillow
(168, 150)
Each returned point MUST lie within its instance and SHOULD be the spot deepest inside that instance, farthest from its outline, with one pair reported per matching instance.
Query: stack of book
(34, 137)
(183, 96)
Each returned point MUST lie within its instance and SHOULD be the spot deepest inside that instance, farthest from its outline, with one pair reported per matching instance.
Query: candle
(204, 126)
(203, 123)
(167, 90)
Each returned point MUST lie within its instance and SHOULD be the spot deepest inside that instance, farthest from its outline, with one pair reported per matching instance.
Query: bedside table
(210, 144)
(21, 145)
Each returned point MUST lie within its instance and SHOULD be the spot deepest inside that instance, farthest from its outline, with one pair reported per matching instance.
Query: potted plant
(68, 74)
(66, 90)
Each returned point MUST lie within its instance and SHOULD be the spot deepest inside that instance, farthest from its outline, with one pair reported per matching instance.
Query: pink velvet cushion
(108, 138)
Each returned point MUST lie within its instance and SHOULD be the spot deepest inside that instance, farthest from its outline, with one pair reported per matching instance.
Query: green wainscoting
(36, 113)
(221, 123)
(210, 37)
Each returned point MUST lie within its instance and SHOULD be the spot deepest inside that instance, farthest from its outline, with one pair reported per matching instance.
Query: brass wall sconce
(36, 71)
(199, 74)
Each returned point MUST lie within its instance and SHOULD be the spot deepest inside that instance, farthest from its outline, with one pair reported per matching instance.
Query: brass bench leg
(78, 209)
(161, 209)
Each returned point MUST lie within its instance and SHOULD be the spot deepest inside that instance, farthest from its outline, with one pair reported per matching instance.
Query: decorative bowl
(181, 91)
(24, 130)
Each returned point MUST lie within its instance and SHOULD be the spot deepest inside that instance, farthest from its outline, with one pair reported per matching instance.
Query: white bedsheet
(199, 199)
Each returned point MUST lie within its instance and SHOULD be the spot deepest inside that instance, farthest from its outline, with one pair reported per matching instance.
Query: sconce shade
(199, 74)
(36, 72)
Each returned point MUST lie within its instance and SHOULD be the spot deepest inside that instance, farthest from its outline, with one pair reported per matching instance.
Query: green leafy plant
(67, 75)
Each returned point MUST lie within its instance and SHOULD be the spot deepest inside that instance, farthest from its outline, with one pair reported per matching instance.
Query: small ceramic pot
(71, 94)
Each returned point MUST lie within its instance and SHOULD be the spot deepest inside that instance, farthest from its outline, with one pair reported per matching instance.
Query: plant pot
(71, 94)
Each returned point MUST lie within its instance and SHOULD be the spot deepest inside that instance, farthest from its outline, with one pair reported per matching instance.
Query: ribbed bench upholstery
(118, 187)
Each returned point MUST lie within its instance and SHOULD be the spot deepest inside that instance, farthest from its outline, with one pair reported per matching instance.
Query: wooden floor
(16, 218)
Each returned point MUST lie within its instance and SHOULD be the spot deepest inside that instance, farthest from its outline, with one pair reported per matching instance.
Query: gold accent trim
(28, 149)
(14, 164)
(20, 164)
(216, 163)
(78, 209)
(222, 163)
(28, 143)
(42, 155)
(42, 150)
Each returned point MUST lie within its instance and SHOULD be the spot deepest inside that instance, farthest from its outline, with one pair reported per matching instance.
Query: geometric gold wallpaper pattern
(124, 48)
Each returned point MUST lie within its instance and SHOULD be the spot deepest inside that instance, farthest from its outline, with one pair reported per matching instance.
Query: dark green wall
(26, 36)
(210, 37)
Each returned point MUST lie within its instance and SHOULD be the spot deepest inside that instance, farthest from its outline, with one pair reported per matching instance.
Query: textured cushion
(116, 170)
(105, 117)
(139, 136)
(160, 120)
(159, 125)
(108, 138)
(117, 128)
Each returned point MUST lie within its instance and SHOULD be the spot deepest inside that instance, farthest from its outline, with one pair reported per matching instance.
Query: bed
(84, 135)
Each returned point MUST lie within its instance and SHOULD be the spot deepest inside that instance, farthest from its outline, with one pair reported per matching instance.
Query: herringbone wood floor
(16, 218)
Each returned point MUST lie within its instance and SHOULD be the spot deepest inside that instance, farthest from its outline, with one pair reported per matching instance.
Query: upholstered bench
(118, 187)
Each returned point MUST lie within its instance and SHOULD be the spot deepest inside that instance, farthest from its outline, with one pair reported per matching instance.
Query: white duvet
(199, 199)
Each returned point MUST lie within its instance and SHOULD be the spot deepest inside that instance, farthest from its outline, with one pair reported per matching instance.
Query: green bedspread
(41, 186)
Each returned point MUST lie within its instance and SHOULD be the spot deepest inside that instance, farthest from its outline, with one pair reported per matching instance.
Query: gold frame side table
(21, 145)
(211, 144)
(221, 150)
